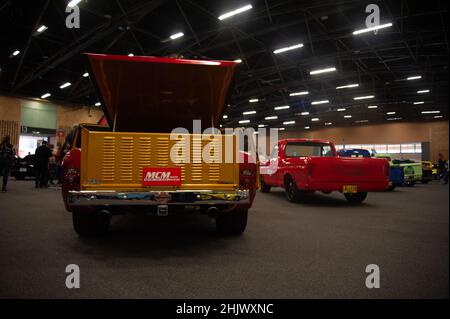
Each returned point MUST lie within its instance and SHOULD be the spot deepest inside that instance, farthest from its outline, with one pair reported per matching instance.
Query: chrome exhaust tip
(212, 211)
(104, 214)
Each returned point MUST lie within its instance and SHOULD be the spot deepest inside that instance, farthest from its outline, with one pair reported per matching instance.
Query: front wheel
(233, 222)
(90, 223)
(356, 198)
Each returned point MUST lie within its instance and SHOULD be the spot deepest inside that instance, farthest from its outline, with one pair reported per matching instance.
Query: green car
(412, 170)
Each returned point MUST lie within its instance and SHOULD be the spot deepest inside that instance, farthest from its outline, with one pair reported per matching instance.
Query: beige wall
(434, 132)
(66, 116)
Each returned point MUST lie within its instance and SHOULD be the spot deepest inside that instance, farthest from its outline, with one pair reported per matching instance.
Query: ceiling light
(340, 110)
(176, 35)
(394, 118)
(130, 54)
(42, 28)
(420, 102)
(322, 71)
(234, 12)
(299, 93)
(315, 119)
(431, 112)
(244, 121)
(225, 116)
(249, 112)
(372, 107)
(390, 113)
(73, 3)
(253, 100)
(423, 91)
(46, 95)
(364, 97)
(347, 86)
(271, 117)
(281, 129)
(362, 121)
(381, 26)
(65, 85)
(320, 102)
(438, 116)
(15, 53)
(307, 127)
(238, 61)
(98, 104)
(289, 123)
(328, 123)
(347, 116)
(284, 107)
(85, 75)
(261, 125)
(304, 113)
(416, 77)
(289, 48)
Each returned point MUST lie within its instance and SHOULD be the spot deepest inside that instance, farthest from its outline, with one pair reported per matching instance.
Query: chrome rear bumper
(179, 197)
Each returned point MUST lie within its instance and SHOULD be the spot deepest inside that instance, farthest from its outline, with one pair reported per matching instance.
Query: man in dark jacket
(42, 157)
(7, 154)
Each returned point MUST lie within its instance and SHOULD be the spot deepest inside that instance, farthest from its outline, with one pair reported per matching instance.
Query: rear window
(308, 149)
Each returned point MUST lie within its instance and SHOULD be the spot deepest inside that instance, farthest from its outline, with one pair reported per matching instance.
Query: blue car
(396, 177)
(354, 152)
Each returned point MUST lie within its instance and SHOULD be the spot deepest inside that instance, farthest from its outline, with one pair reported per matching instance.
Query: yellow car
(427, 171)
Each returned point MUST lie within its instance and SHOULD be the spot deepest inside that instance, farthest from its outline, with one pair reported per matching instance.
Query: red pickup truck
(302, 166)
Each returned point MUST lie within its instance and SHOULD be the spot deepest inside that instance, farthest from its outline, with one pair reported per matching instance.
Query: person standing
(441, 166)
(7, 154)
(42, 157)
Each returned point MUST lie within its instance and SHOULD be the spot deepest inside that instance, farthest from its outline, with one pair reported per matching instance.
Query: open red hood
(149, 94)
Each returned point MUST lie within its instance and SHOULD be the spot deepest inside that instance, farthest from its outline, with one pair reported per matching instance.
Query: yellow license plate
(351, 189)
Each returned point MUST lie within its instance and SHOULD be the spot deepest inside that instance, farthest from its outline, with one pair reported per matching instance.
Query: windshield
(308, 149)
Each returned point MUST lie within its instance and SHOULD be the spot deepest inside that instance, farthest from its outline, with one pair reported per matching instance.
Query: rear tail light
(247, 174)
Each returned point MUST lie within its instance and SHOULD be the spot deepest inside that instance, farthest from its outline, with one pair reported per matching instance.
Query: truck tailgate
(116, 160)
(348, 170)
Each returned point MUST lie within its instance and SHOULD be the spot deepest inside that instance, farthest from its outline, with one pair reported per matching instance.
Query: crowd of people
(44, 159)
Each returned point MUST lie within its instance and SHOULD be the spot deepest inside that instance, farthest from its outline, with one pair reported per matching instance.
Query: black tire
(293, 194)
(87, 224)
(356, 198)
(232, 223)
(264, 187)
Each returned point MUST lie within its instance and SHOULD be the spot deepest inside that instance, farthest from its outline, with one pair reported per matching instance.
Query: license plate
(350, 189)
(22, 169)
(161, 176)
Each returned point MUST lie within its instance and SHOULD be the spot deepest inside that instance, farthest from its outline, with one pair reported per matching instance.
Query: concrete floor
(317, 249)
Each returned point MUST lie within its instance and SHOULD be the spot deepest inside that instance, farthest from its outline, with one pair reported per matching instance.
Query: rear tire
(233, 222)
(356, 198)
(87, 224)
(391, 188)
(293, 194)
(264, 187)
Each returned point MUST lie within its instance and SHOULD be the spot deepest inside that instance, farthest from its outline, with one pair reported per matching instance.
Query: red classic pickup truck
(302, 166)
